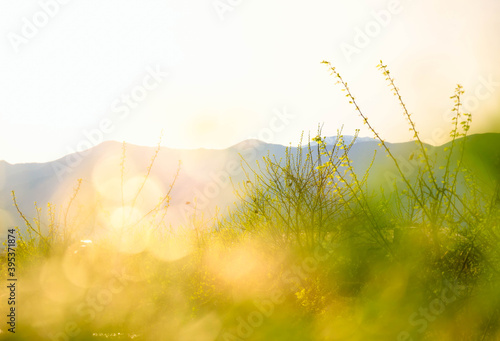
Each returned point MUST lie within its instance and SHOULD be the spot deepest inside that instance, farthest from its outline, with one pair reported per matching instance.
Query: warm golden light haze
(210, 78)
(239, 170)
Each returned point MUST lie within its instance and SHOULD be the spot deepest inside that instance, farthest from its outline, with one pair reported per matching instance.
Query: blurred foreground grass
(313, 250)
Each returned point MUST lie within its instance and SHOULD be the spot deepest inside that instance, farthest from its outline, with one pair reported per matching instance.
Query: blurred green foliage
(317, 248)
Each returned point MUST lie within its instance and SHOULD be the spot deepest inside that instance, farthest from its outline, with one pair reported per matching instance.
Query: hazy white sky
(212, 73)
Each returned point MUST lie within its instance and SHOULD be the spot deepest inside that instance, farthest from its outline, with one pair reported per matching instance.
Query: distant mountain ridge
(206, 176)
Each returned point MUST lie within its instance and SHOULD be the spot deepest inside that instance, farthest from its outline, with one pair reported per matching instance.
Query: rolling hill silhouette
(206, 180)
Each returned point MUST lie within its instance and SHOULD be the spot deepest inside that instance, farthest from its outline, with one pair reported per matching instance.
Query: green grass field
(316, 248)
